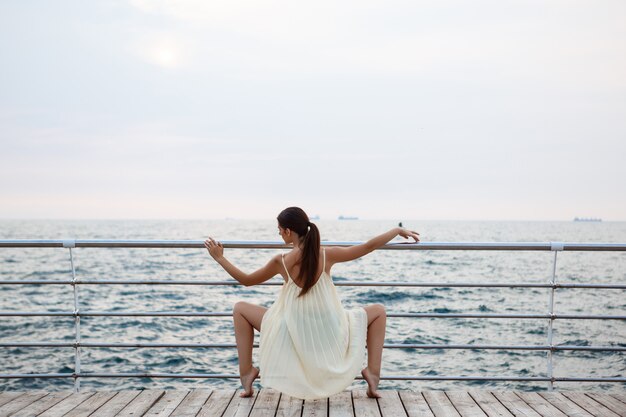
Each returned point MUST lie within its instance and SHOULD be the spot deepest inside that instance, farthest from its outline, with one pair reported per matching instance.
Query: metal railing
(549, 347)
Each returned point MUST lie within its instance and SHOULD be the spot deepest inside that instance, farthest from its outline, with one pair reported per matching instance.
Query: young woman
(310, 346)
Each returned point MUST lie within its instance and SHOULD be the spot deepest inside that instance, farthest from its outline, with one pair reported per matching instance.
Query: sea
(382, 265)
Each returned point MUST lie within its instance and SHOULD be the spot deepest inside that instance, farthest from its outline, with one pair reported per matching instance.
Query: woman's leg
(246, 317)
(376, 325)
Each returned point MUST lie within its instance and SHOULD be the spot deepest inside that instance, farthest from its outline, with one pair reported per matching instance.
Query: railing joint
(69, 243)
(557, 246)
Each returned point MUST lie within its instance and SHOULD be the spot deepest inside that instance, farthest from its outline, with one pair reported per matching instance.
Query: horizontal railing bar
(236, 376)
(336, 283)
(226, 314)
(386, 346)
(516, 246)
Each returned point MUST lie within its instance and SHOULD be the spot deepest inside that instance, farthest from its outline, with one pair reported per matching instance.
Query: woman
(310, 346)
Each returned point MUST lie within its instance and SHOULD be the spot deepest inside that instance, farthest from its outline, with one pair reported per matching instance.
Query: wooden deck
(267, 402)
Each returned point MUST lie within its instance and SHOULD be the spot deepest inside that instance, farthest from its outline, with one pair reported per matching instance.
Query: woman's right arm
(344, 254)
(216, 250)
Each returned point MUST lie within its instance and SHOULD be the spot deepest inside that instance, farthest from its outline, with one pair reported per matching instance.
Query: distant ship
(342, 217)
(587, 219)
(316, 217)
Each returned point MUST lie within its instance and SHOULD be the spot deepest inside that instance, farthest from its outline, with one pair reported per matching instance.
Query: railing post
(555, 247)
(71, 243)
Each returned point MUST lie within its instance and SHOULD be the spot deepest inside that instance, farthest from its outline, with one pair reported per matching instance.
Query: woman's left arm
(216, 250)
(344, 254)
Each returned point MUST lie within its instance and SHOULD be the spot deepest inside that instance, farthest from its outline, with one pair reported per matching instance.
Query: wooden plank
(240, 406)
(141, 403)
(315, 408)
(340, 405)
(91, 404)
(363, 405)
(20, 402)
(609, 402)
(564, 404)
(217, 403)
(415, 404)
(489, 404)
(167, 403)
(266, 403)
(390, 404)
(116, 404)
(515, 404)
(591, 406)
(43, 404)
(68, 404)
(540, 404)
(289, 406)
(7, 396)
(440, 404)
(620, 396)
(192, 403)
(464, 404)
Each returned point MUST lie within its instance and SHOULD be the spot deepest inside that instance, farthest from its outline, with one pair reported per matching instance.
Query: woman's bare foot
(372, 383)
(246, 380)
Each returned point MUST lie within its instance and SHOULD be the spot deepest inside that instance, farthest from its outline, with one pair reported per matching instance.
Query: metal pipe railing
(337, 284)
(386, 377)
(241, 244)
(552, 285)
(227, 314)
(386, 346)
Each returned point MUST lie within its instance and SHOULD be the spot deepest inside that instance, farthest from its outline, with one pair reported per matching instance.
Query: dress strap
(285, 266)
(324, 260)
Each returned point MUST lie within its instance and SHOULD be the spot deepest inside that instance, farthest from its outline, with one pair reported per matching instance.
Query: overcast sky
(485, 110)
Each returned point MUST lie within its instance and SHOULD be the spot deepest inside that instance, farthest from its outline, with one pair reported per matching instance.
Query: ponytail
(310, 258)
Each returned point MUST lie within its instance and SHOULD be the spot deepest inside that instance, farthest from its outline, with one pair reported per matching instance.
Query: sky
(433, 110)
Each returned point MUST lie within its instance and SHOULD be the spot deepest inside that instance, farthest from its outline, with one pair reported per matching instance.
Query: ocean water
(419, 266)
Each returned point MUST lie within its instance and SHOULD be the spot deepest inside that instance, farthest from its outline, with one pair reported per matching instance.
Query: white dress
(311, 347)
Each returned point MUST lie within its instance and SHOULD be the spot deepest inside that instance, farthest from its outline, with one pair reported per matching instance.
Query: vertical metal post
(72, 244)
(555, 247)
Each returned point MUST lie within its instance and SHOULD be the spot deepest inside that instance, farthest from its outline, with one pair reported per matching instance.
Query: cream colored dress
(311, 347)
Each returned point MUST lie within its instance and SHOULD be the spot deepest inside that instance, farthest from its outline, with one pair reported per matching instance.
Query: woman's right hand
(216, 249)
(405, 233)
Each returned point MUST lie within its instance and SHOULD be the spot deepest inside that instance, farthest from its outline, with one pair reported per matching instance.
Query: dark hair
(295, 219)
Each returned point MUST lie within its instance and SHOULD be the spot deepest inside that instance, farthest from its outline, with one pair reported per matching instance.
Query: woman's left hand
(408, 234)
(215, 248)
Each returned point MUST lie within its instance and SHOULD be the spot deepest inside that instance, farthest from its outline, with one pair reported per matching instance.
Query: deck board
(266, 403)
(490, 404)
(390, 404)
(44, 403)
(272, 403)
(465, 405)
(217, 403)
(240, 406)
(540, 404)
(363, 405)
(68, 404)
(20, 402)
(609, 402)
(315, 408)
(112, 407)
(90, 405)
(167, 403)
(440, 404)
(415, 404)
(590, 405)
(564, 404)
(340, 405)
(620, 396)
(7, 396)
(289, 406)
